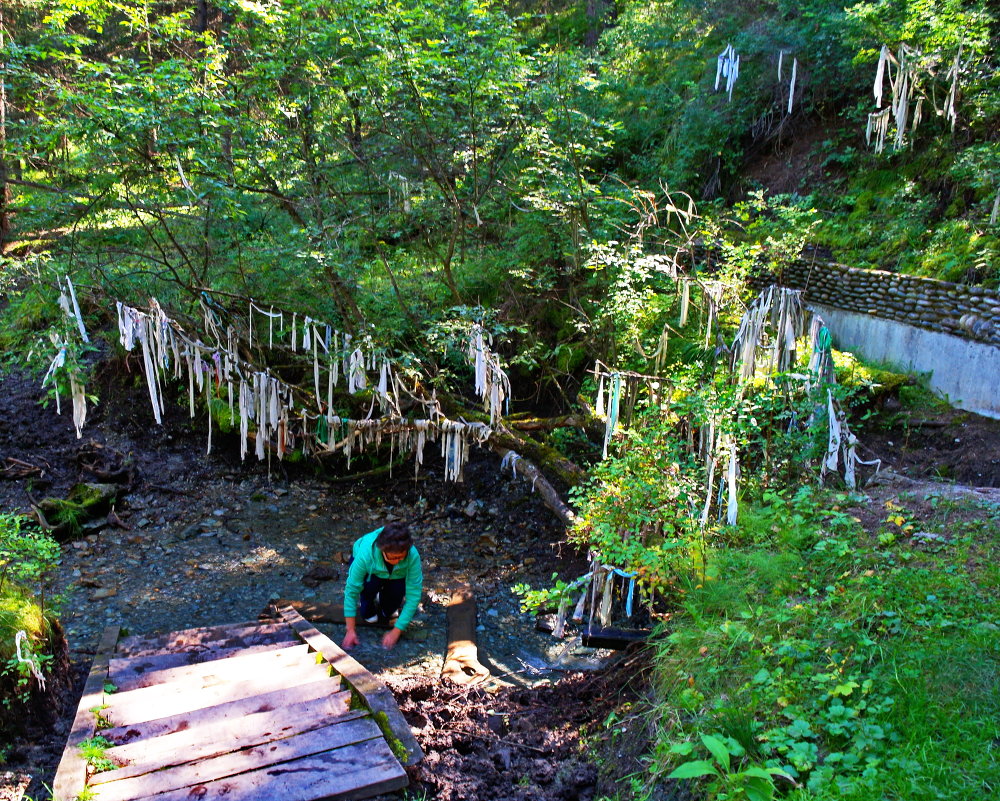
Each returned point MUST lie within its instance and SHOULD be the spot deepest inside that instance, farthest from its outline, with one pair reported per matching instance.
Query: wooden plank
(320, 612)
(203, 742)
(222, 649)
(358, 771)
(149, 703)
(374, 693)
(71, 775)
(249, 633)
(266, 760)
(598, 637)
(232, 710)
(237, 666)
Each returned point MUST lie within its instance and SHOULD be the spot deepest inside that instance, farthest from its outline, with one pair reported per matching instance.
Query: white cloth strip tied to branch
(271, 316)
(72, 308)
(685, 302)
(732, 505)
(356, 379)
(614, 406)
(791, 84)
(728, 67)
(952, 75)
(58, 361)
(492, 383)
(22, 659)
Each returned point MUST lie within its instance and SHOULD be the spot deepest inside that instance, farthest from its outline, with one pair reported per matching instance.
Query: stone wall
(969, 312)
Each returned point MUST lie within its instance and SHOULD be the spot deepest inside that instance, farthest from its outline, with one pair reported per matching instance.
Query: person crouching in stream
(384, 583)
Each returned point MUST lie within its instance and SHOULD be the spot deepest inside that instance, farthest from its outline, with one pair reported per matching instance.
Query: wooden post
(462, 665)
(4, 185)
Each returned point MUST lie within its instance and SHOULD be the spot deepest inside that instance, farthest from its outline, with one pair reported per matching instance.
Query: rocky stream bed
(196, 540)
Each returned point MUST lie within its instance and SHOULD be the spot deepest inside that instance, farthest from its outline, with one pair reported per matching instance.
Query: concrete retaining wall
(965, 371)
(951, 331)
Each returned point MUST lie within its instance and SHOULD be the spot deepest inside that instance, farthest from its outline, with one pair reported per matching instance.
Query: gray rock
(190, 532)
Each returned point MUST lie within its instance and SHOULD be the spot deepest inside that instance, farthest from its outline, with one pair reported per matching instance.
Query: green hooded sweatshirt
(368, 561)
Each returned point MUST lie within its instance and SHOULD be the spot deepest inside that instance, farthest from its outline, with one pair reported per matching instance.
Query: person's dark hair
(394, 538)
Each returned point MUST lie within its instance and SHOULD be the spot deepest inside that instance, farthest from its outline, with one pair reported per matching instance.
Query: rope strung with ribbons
(278, 413)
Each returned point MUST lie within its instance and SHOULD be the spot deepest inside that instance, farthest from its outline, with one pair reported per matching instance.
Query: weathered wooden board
(233, 710)
(71, 775)
(149, 703)
(322, 612)
(374, 693)
(356, 771)
(336, 736)
(598, 637)
(247, 712)
(235, 667)
(137, 665)
(201, 742)
(251, 633)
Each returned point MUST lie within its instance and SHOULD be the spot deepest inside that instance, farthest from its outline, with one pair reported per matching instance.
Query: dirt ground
(198, 540)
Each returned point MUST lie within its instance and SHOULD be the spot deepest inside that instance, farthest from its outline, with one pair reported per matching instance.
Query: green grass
(866, 664)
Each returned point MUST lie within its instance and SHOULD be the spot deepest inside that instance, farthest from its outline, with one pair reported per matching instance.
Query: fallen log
(539, 482)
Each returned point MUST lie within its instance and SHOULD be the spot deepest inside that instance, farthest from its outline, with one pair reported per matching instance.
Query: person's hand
(391, 638)
(350, 640)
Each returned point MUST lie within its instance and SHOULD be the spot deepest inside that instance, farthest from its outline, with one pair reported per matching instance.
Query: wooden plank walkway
(249, 712)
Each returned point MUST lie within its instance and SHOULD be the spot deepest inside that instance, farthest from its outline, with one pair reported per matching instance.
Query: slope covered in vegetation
(596, 183)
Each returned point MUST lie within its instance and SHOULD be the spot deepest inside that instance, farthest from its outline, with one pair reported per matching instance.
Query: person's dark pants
(390, 594)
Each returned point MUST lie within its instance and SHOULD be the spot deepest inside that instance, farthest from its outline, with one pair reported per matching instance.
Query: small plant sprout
(753, 782)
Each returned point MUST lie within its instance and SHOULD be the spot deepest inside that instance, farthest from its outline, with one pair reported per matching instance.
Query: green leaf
(692, 770)
(718, 749)
(759, 790)
(760, 773)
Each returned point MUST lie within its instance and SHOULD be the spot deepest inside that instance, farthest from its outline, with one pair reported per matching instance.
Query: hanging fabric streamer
(732, 508)
(614, 401)
(76, 311)
(26, 659)
(833, 442)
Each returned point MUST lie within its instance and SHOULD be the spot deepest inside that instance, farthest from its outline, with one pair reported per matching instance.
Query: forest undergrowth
(841, 645)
